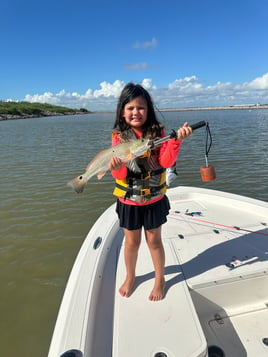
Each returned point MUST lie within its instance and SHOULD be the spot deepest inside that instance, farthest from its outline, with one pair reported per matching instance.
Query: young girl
(140, 184)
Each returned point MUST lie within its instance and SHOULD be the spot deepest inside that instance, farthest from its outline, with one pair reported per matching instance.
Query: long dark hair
(152, 127)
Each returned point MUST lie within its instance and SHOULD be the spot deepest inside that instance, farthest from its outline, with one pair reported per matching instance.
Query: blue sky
(185, 52)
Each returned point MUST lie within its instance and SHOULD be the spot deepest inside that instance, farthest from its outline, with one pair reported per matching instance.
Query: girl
(140, 184)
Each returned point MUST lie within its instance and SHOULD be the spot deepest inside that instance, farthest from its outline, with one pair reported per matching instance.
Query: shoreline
(4, 117)
(231, 107)
(188, 109)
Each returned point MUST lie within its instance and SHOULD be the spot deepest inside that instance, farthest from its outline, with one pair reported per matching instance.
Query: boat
(216, 297)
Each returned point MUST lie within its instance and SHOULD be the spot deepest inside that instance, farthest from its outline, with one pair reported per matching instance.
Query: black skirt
(148, 216)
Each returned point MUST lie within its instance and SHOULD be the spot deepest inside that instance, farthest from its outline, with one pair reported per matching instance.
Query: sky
(186, 53)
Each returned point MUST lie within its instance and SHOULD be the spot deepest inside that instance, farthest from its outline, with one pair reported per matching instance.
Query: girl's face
(135, 113)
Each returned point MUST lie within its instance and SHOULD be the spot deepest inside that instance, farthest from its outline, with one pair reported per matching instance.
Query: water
(43, 222)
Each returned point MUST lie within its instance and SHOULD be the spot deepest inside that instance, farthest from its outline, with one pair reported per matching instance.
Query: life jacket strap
(146, 174)
(152, 191)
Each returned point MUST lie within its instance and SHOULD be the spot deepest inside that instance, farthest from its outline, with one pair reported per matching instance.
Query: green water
(43, 222)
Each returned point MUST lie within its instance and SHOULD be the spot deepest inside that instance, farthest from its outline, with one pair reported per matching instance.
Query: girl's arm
(168, 153)
(170, 149)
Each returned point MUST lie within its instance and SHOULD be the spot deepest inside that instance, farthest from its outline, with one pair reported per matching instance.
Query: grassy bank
(18, 110)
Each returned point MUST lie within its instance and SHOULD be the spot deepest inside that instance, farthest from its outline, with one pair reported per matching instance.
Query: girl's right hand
(115, 163)
(184, 132)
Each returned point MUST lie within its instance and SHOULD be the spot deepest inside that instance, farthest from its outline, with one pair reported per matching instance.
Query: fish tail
(78, 184)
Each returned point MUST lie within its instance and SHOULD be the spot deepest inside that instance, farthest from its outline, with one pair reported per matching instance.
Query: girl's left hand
(115, 163)
(184, 132)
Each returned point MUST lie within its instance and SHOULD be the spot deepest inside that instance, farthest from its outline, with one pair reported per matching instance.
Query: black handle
(173, 135)
(198, 125)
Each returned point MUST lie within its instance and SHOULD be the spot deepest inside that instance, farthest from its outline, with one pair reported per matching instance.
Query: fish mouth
(76, 186)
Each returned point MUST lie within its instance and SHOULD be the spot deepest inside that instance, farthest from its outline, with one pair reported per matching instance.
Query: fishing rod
(173, 135)
(207, 172)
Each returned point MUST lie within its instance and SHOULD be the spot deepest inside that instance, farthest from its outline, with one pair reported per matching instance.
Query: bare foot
(158, 291)
(126, 288)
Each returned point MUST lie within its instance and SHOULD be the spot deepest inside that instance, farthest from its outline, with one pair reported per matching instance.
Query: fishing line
(159, 112)
(176, 214)
(208, 171)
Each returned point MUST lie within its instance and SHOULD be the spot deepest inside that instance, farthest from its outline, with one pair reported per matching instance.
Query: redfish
(100, 164)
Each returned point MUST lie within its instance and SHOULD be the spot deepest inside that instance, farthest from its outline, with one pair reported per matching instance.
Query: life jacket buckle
(147, 177)
(145, 191)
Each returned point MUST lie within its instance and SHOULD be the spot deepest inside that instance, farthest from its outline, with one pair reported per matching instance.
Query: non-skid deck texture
(251, 328)
(210, 242)
(144, 328)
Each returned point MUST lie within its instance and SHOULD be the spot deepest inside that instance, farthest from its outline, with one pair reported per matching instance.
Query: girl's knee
(153, 238)
(153, 245)
(132, 244)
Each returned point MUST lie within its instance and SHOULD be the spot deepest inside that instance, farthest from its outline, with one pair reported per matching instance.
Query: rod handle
(198, 125)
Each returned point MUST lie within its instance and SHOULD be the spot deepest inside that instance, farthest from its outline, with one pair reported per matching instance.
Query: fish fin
(146, 154)
(101, 174)
(129, 156)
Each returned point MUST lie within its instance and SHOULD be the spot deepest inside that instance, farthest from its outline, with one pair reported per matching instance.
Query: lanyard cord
(208, 142)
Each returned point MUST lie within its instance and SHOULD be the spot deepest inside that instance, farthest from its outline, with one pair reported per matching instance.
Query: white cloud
(182, 92)
(186, 86)
(147, 83)
(146, 44)
(185, 83)
(136, 66)
(109, 89)
(47, 97)
(259, 83)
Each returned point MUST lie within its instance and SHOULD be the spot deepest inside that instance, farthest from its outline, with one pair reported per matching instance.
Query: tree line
(35, 109)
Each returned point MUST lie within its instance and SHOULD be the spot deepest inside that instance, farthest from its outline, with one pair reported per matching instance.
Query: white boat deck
(210, 249)
(226, 269)
(216, 285)
(144, 328)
